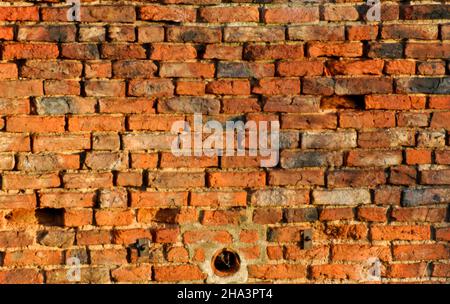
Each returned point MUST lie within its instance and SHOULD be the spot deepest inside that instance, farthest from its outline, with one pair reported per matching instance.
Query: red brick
(309, 121)
(435, 177)
(339, 13)
(93, 237)
(229, 14)
(19, 13)
(61, 33)
(334, 214)
(356, 252)
(6, 32)
(158, 199)
(362, 32)
(346, 231)
(21, 88)
(14, 142)
(96, 123)
(300, 68)
(294, 252)
(195, 34)
(420, 252)
(218, 199)
(441, 270)
(350, 49)
(302, 177)
(35, 124)
(98, 69)
(61, 142)
(30, 51)
(176, 179)
(273, 51)
(223, 51)
(133, 69)
(66, 199)
(442, 157)
(254, 34)
(439, 102)
(419, 214)
(440, 120)
(356, 178)
(415, 270)
(400, 232)
(171, 51)
(443, 234)
(237, 179)
(167, 13)
(21, 276)
(336, 272)
(372, 214)
(78, 217)
(291, 14)
(178, 273)
(114, 217)
(267, 216)
(30, 181)
(395, 102)
(195, 236)
(87, 179)
(277, 272)
(80, 51)
(103, 13)
(427, 50)
(150, 33)
(400, 67)
(108, 256)
(418, 157)
(187, 69)
(373, 119)
(8, 71)
(32, 257)
(132, 274)
(122, 51)
(221, 217)
(228, 87)
(356, 67)
(103, 88)
(166, 235)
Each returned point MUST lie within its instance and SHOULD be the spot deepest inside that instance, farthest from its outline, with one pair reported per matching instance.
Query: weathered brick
(178, 273)
(350, 49)
(415, 197)
(341, 197)
(229, 14)
(187, 69)
(361, 158)
(356, 178)
(167, 13)
(316, 32)
(400, 232)
(20, 88)
(253, 34)
(328, 140)
(298, 159)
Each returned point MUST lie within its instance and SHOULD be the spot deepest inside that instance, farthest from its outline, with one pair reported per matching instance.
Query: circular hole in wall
(226, 262)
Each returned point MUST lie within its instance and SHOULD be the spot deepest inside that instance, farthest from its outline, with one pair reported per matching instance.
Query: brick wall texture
(86, 109)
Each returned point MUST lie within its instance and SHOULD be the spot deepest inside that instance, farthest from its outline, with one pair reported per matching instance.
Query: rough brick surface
(86, 110)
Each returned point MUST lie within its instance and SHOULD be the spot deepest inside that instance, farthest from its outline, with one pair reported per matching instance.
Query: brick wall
(86, 169)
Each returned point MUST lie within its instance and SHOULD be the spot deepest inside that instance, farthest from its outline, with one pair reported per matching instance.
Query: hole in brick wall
(226, 262)
(343, 102)
(50, 216)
